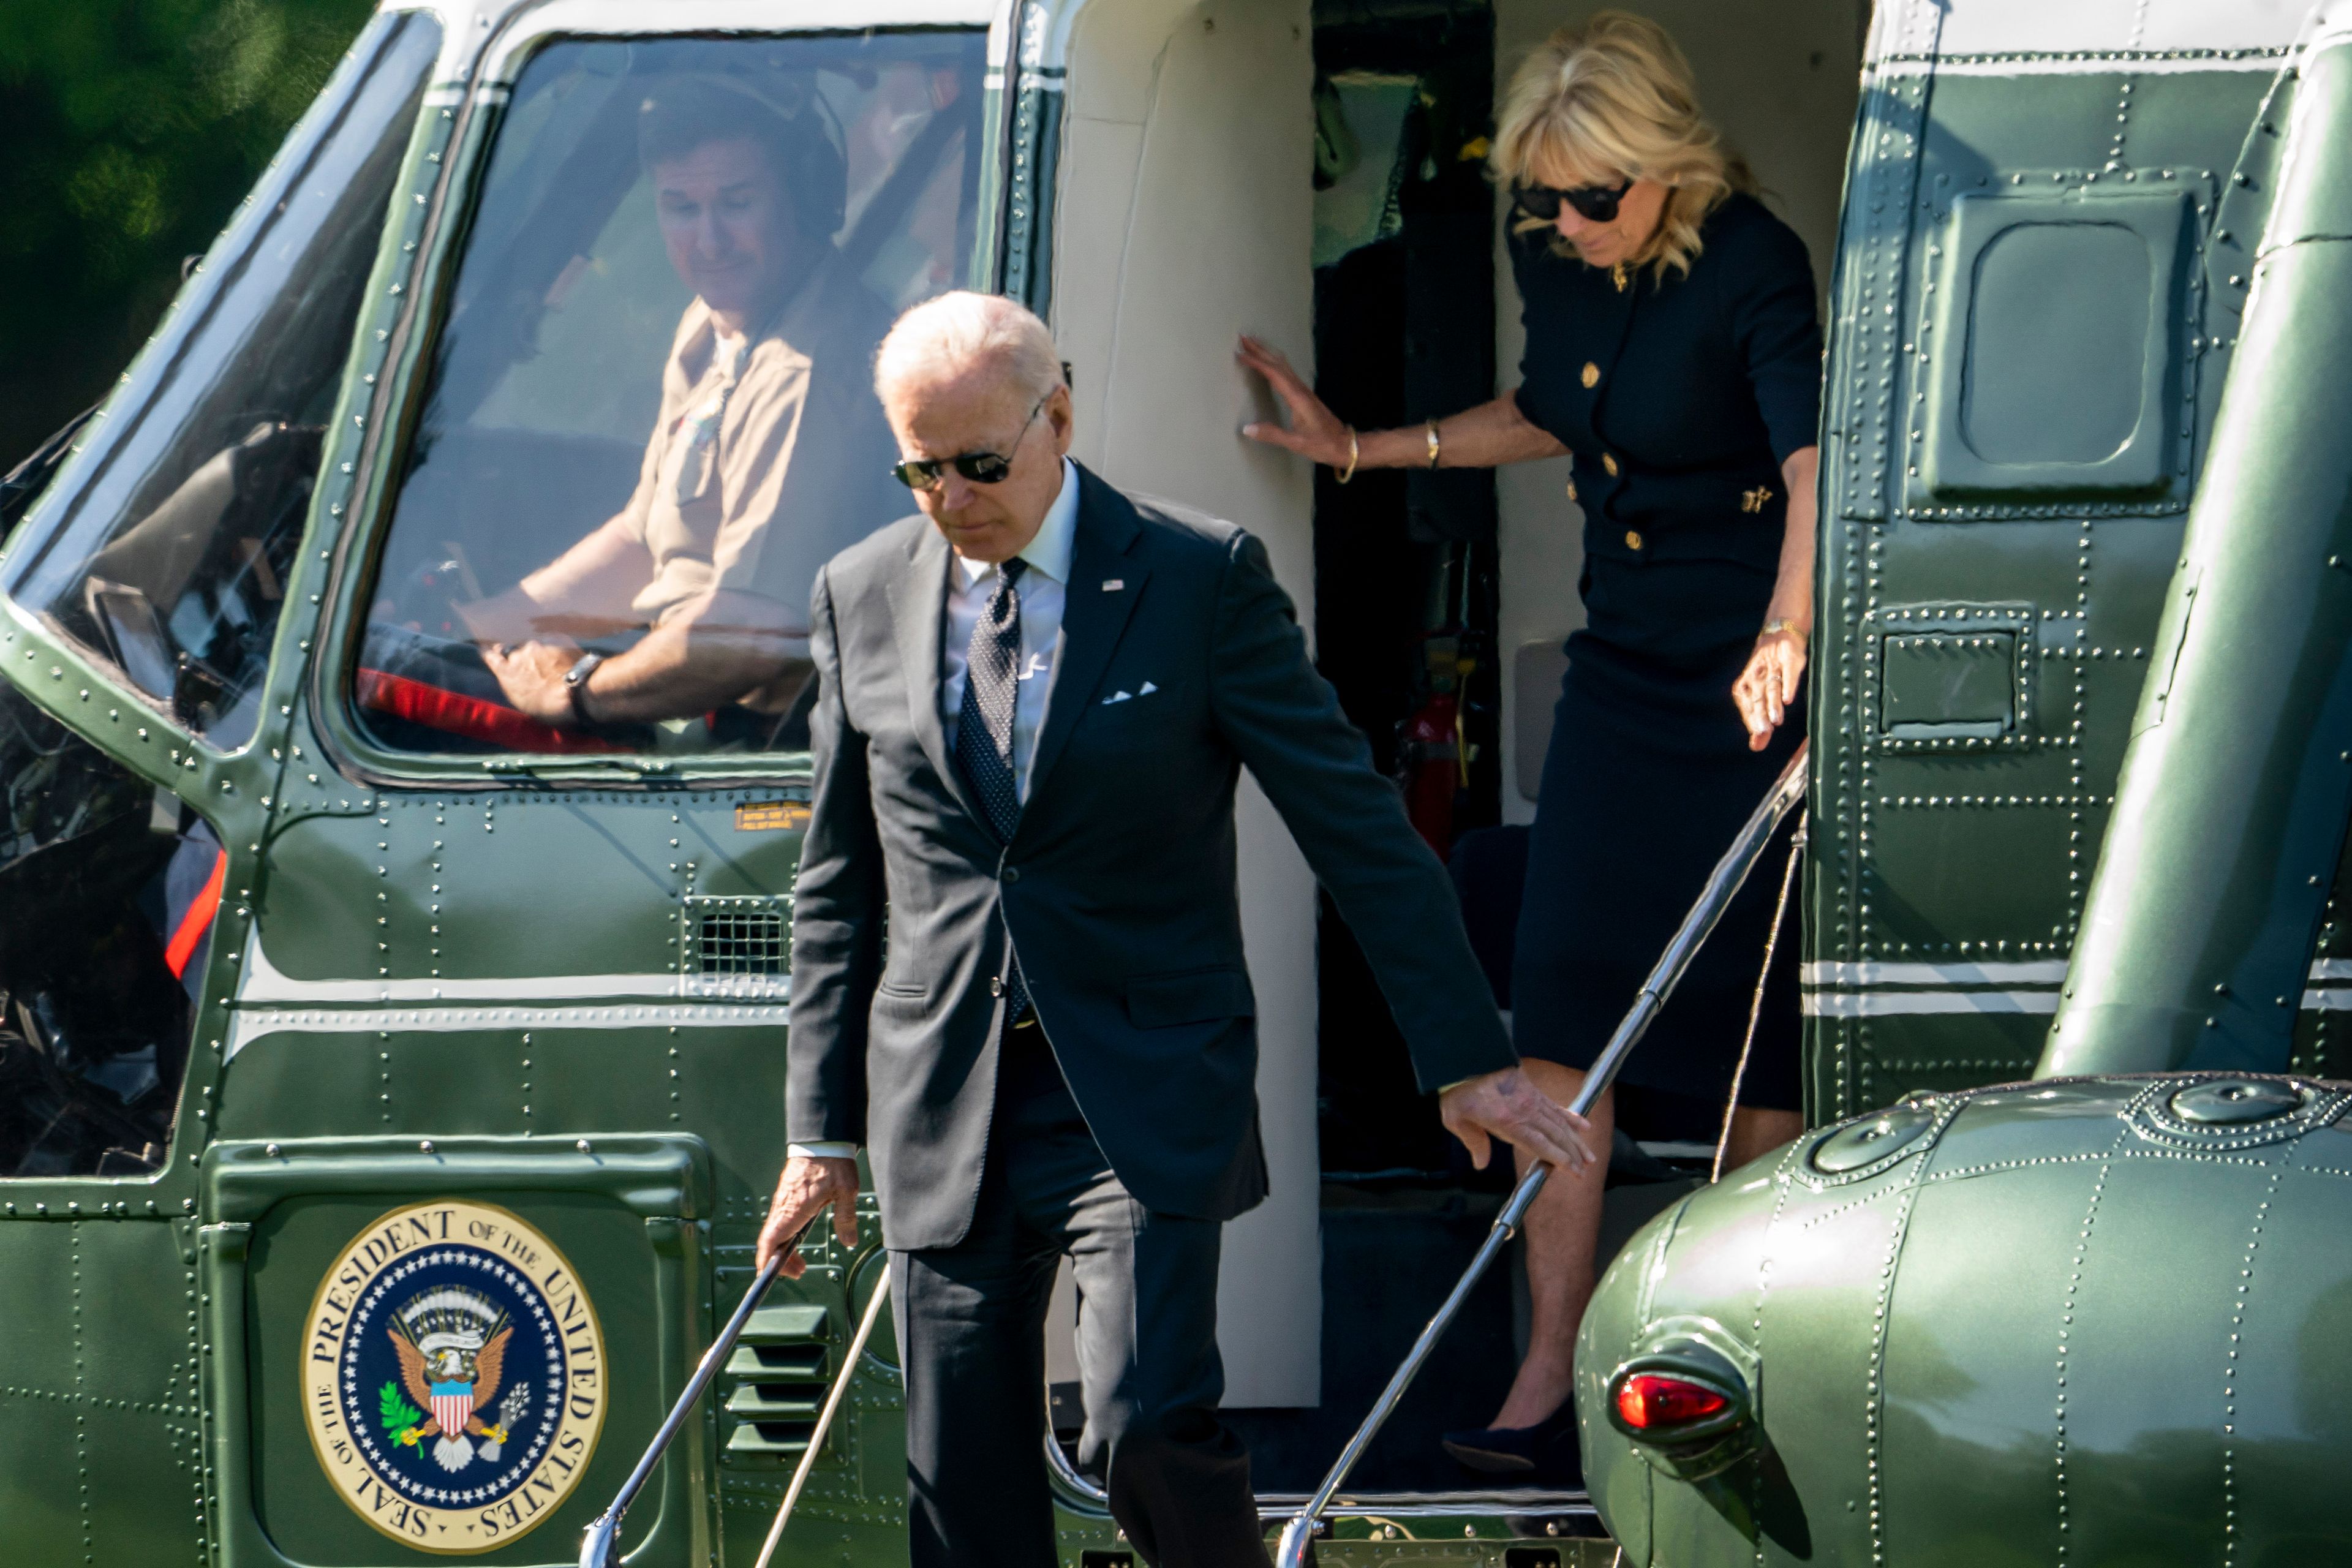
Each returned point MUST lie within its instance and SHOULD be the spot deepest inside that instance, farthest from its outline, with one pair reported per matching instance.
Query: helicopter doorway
(1442, 601)
(1186, 212)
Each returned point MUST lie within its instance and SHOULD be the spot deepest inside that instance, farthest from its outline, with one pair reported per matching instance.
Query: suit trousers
(970, 1320)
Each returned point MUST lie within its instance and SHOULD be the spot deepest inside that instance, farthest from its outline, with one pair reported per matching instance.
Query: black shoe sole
(1486, 1461)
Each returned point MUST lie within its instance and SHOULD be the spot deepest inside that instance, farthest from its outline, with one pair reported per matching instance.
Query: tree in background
(132, 128)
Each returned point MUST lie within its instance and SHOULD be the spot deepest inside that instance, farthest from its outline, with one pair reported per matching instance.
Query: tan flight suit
(765, 464)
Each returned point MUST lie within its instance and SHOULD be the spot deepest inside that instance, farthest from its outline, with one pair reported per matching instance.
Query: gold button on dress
(1609, 463)
(1591, 373)
(1633, 540)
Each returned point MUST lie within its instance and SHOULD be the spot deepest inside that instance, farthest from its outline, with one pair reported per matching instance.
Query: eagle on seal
(452, 1345)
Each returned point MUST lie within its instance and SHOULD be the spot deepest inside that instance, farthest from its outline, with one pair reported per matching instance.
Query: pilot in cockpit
(687, 611)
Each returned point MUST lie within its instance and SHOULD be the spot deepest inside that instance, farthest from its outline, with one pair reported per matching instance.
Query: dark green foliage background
(130, 129)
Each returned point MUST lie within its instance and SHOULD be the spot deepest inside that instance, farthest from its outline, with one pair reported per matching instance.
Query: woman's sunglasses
(1594, 204)
(980, 467)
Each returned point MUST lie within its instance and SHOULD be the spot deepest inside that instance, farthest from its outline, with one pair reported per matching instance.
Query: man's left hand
(531, 675)
(1506, 1105)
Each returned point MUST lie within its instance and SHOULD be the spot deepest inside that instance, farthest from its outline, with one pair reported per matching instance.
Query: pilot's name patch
(766, 816)
(453, 1376)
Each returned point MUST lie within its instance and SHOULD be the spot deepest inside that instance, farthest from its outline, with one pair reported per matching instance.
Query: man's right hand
(1507, 1106)
(802, 1192)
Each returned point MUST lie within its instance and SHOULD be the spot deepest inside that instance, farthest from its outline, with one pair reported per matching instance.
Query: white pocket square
(1118, 697)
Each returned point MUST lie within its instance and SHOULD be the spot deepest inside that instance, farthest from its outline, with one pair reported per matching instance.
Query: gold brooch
(1618, 276)
(1753, 501)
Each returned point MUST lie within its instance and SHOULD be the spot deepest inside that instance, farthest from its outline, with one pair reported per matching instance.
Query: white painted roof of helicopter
(2023, 36)
(2045, 37)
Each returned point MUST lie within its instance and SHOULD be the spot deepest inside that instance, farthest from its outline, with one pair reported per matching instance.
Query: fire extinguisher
(1429, 765)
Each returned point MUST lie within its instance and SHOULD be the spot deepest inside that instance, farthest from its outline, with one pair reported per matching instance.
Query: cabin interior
(1315, 177)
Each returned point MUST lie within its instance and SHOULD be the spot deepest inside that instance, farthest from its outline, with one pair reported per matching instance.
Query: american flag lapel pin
(1113, 584)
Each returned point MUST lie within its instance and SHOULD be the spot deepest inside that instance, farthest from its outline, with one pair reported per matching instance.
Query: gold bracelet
(1777, 624)
(1354, 452)
(1434, 443)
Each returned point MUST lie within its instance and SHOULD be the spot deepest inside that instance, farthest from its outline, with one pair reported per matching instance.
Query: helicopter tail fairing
(2229, 814)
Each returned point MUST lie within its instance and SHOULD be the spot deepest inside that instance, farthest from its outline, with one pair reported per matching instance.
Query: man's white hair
(955, 333)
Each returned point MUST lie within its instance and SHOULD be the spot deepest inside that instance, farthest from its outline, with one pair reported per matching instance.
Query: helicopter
(346, 1011)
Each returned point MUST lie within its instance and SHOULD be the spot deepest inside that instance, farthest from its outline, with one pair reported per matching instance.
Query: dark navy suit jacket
(1118, 886)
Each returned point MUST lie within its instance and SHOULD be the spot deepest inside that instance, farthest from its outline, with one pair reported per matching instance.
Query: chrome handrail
(599, 1548)
(1297, 1547)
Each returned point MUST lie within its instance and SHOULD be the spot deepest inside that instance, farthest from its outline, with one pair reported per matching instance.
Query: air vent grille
(738, 936)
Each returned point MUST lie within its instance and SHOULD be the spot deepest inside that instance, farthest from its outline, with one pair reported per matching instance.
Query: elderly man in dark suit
(1035, 701)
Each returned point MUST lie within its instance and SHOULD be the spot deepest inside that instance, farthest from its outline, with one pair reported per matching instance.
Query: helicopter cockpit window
(108, 891)
(650, 417)
(166, 551)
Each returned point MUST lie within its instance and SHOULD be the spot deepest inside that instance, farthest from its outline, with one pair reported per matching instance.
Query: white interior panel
(1183, 219)
(1780, 80)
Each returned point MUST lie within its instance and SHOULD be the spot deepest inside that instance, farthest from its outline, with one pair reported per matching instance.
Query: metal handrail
(1297, 1548)
(599, 1548)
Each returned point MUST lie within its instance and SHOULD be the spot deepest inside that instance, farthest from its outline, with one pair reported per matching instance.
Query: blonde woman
(1674, 352)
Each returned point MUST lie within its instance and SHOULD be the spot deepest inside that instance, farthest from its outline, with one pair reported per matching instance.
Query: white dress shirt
(1044, 589)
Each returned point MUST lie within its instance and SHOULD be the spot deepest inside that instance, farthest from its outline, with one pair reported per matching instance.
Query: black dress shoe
(1547, 1451)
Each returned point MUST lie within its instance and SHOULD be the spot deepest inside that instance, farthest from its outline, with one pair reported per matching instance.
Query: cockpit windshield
(164, 550)
(649, 416)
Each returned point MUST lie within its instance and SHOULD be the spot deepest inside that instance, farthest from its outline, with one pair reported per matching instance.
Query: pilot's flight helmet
(685, 110)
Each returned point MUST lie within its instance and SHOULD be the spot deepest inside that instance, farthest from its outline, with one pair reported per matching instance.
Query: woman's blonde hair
(1614, 99)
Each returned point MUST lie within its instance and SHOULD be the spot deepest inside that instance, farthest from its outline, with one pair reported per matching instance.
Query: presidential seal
(453, 1375)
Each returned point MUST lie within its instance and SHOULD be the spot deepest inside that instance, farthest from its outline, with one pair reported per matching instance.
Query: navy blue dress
(1679, 400)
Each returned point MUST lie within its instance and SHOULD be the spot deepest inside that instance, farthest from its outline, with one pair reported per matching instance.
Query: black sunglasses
(1594, 204)
(980, 467)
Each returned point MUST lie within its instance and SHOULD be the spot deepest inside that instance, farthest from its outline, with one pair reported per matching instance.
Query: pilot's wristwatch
(575, 685)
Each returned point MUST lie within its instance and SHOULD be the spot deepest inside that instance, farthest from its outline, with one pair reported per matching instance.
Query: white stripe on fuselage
(270, 1001)
(1863, 990)
(1879, 1003)
(245, 1027)
(264, 983)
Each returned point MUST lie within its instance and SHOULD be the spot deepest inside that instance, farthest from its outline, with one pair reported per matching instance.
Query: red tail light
(1648, 1401)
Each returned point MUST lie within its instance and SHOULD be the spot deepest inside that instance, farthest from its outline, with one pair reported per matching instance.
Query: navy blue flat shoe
(1545, 1451)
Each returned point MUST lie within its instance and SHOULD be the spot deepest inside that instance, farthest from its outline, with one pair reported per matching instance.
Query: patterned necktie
(984, 728)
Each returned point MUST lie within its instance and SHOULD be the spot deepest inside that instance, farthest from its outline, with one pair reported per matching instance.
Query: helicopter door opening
(107, 890)
(1315, 178)
(162, 549)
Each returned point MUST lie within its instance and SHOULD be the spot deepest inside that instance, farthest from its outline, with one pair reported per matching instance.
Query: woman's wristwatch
(575, 685)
